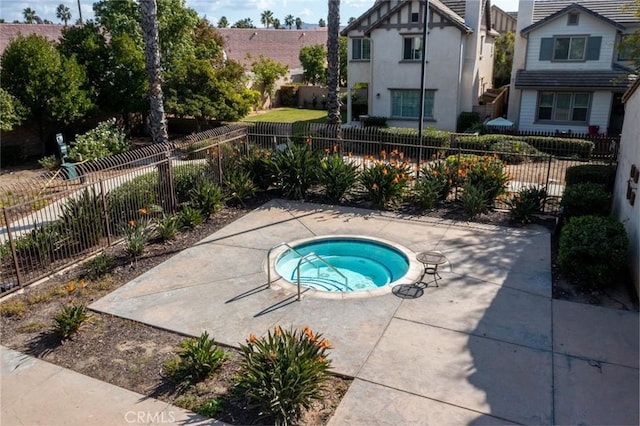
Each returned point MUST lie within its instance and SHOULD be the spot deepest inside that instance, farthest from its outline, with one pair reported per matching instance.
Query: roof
(631, 91)
(280, 45)
(609, 9)
(566, 9)
(10, 31)
(607, 79)
(441, 6)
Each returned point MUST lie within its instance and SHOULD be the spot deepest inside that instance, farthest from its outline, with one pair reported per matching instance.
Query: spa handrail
(269, 258)
(306, 258)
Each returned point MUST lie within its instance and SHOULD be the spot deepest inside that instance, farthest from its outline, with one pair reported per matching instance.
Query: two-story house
(568, 73)
(385, 56)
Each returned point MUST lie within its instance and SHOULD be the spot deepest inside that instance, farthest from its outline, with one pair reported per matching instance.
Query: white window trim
(554, 108)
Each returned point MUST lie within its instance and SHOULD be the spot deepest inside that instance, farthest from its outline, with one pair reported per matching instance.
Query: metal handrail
(302, 259)
(306, 258)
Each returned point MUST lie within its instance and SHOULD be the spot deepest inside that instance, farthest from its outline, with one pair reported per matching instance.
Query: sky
(310, 11)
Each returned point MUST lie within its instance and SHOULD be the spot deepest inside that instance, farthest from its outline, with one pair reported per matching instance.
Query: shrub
(187, 177)
(386, 182)
(135, 237)
(99, 266)
(261, 167)
(603, 174)
(337, 176)
(474, 200)
(41, 243)
(526, 203)
(584, 199)
(239, 185)
(13, 308)
(68, 320)
(297, 169)
(487, 172)
(167, 227)
(372, 121)
(190, 217)
(105, 140)
(289, 95)
(125, 201)
(466, 120)
(49, 163)
(208, 198)
(437, 174)
(517, 152)
(428, 192)
(593, 249)
(283, 373)
(559, 147)
(83, 219)
(197, 359)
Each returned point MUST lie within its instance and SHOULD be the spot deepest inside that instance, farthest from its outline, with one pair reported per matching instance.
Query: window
(361, 49)
(563, 106)
(406, 103)
(573, 18)
(625, 49)
(412, 49)
(569, 48)
(415, 17)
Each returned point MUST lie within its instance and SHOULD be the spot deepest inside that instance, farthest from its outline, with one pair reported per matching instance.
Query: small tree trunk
(333, 62)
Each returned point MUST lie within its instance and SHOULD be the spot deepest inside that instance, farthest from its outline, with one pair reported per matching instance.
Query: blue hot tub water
(366, 264)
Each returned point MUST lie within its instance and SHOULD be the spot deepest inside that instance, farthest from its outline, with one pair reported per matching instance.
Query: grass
(290, 115)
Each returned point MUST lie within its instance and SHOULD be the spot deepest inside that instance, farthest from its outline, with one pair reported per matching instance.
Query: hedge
(602, 174)
(559, 147)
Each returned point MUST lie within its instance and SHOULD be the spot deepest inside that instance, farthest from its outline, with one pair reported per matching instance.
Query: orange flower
(385, 172)
(132, 223)
(252, 338)
(307, 331)
(143, 211)
(82, 283)
(71, 287)
(434, 172)
(374, 186)
(320, 359)
(326, 150)
(324, 343)
(278, 331)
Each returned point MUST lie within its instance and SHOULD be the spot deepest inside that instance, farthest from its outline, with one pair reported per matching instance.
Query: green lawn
(289, 115)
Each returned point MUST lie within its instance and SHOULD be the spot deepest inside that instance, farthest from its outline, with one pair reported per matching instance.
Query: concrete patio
(489, 346)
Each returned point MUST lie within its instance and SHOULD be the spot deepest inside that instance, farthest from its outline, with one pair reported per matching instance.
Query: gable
(564, 12)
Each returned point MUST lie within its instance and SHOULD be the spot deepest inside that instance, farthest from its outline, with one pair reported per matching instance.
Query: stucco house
(626, 199)
(568, 73)
(384, 55)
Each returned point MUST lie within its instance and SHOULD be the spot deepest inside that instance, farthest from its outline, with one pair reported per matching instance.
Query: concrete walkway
(489, 346)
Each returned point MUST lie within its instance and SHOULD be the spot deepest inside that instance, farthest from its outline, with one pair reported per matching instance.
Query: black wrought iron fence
(52, 222)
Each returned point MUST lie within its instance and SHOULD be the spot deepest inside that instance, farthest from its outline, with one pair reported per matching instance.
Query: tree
(244, 23)
(267, 72)
(289, 20)
(223, 23)
(276, 24)
(312, 59)
(351, 20)
(322, 23)
(333, 63)
(503, 59)
(266, 18)
(151, 38)
(12, 111)
(208, 42)
(630, 45)
(29, 15)
(298, 24)
(63, 13)
(344, 61)
(51, 87)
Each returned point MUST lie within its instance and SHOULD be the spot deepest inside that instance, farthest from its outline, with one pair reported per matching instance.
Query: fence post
(455, 194)
(106, 211)
(172, 188)
(219, 163)
(13, 248)
(546, 183)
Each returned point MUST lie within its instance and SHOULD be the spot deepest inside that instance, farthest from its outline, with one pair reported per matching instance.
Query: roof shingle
(607, 79)
(608, 8)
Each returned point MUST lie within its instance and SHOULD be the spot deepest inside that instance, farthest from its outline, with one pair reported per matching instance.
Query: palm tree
(223, 23)
(322, 23)
(266, 18)
(150, 36)
(63, 13)
(289, 20)
(29, 15)
(276, 24)
(333, 64)
(79, 13)
(298, 24)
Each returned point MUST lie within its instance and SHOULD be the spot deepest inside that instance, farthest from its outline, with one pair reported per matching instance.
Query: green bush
(167, 227)
(337, 177)
(386, 183)
(208, 198)
(593, 250)
(239, 185)
(466, 120)
(603, 174)
(125, 201)
(49, 163)
(517, 152)
(488, 172)
(41, 243)
(99, 266)
(558, 147)
(526, 203)
(83, 220)
(190, 217)
(372, 121)
(474, 200)
(438, 171)
(297, 169)
(261, 167)
(428, 191)
(283, 373)
(188, 177)
(197, 359)
(289, 96)
(584, 199)
(105, 140)
(68, 320)
(136, 236)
